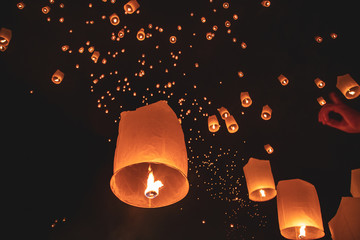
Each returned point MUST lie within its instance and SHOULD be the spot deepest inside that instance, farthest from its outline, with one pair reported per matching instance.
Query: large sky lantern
(5, 37)
(224, 113)
(231, 124)
(245, 99)
(213, 123)
(57, 77)
(299, 212)
(131, 7)
(259, 180)
(150, 162)
(347, 86)
(355, 183)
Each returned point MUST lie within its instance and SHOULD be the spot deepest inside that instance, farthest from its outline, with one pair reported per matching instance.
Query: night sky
(60, 139)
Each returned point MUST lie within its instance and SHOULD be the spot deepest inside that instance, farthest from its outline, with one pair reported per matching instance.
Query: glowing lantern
(266, 3)
(114, 19)
(259, 180)
(231, 124)
(319, 83)
(150, 150)
(268, 148)
(20, 5)
(224, 113)
(46, 9)
(57, 77)
(245, 99)
(209, 35)
(172, 39)
(347, 86)
(283, 80)
(299, 212)
(140, 35)
(266, 112)
(65, 48)
(333, 35)
(121, 33)
(321, 101)
(131, 7)
(5, 37)
(355, 183)
(318, 39)
(213, 123)
(95, 56)
(345, 224)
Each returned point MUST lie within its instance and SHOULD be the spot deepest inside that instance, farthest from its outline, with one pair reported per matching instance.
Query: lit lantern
(266, 3)
(259, 180)
(224, 113)
(209, 35)
(46, 9)
(299, 212)
(347, 86)
(131, 7)
(65, 48)
(5, 37)
(319, 83)
(114, 19)
(150, 162)
(268, 148)
(21, 5)
(333, 35)
(213, 123)
(2, 48)
(140, 35)
(172, 39)
(318, 39)
(243, 45)
(57, 77)
(283, 80)
(95, 56)
(321, 101)
(231, 124)
(245, 99)
(121, 33)
(355, 183)
(266, 112)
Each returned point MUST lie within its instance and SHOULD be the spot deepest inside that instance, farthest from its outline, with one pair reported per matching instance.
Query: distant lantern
(333, 35)
(318, 39)
(245, 99)
(283, 80)
(227, 24)
(243, 45)
(231, 124)
(150, 162)
(95, 56)
(65, 48)
(226, 5)
(266, 3)
(121, 33)
(319, 83)
(20, 5)
(259, 180)
(5, 37)
(209, 36)
(172, 39)
(321, 101)
(345, 224)
(46, 9)
(140, 35)
(114, 19)
(347, 86)
(268, 148)
(57, 77)
(81, 49)
(299, 212)
(266, 112)
(224, 113)
(131, 7)
(355, 183)
(213, 123)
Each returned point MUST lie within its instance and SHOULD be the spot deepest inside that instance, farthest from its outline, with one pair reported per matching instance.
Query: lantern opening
(352, 91)
(302, 232)
(152, 187)
(3, 40)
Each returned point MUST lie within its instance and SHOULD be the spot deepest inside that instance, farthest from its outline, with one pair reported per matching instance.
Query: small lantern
(2, 48)
(345, 224)
(259, 180)
(150, 162)
(172, 39)
(21, 5)
(318, 39)
(319, 83)
(283, 80)
(46, 9)
(299, 212)
(266, 112)
(266, 3)
(268, 148)
(209, 35)
(95, 56)
(347, 86)
(131, 7)
(321, 101)
(245, 99)
(355, 183)
(65, 48)
(231, 124)
(140, 35)
(333, 35)
(213, 123)
(121, 33)
(114, 19)
(57, 77)
(5, 37)
(224, 113)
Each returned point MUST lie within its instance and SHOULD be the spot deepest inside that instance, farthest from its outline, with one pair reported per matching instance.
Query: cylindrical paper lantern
(114, 19)
(355, 183)
(2, 48)
(345, 224)
(245, 99)
(46, 9)
(21, 5)
(268, 148)
(5, 37)
(265, 3)
(213, 123)
(140, 35)
(131, 7)
(224, 113)
(319, 83)
(299, 212)
(347, 86)
(283, 80)
(150, 138)
(57, 77)
(259, 180)
(95, 56)
(231, 124)
(266, 112)
(321, 101)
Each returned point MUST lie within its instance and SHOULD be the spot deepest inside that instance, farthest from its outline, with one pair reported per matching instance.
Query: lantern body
(245, 99)
(319, 83)
(355, 183)
(57, 77)
(321, 101)
(266, 112)
(5, 37)
(268, 148)
(114, 19)
(298, 206)
(95, 56)
(224, 113)
(46, 9)
(213, 123)
(231, 124)
(283, 80)
(21, 5)
(345, 224)
(259, 180)
(150, 135)
(265, 3)
(347, 86)
(131, 7)
(140, 35)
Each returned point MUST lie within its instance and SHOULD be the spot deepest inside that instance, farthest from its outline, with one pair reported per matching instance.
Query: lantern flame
(152, 187)
(262, 193)
(302, 232)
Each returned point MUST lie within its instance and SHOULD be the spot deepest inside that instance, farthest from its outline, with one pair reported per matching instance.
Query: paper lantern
(140, 35)
(355, 183)
(213, 123)
(172, 39)
(321, 101)
(2, 48)
(345, 224)
(231, 124)
(333, 35)
(245, 99)
(266, 112)
(46, 9)
(268, 148)
(114, 19)
(131, 7)
(299, 212)
(318, 39)
(57, 77)
(5, 37)
(319, 83)
(283, 80)
(95, 56)
(150, 140)
(266, 3)
(21, 5)
(259, 180)
(224, 113)
(347, 86)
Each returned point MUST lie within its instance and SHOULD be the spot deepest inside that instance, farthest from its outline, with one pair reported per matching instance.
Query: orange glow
(152, 186)
(114, 19)
(318, 39)
(140, 35)
(45, 10)
(172, 39)
(20, 5)
(283, 80)
(302, 232)
(131, 7)
(348, 86)
(266, 3)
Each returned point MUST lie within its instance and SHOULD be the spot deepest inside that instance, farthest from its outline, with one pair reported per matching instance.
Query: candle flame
(152, 187)
(302, 232)
(262, 193)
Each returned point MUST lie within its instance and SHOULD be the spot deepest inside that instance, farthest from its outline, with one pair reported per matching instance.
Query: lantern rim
(256, 196)
(311, 232)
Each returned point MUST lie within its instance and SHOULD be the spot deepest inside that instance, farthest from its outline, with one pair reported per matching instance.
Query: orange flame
(152, 187)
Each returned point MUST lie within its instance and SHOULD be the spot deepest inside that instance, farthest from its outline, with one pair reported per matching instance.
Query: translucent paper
(355, 183)
(213, 123)
(231, 124)
(347, 86)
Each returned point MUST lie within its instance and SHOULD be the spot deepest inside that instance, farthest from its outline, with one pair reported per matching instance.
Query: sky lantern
(213, 123)
(268, 148)
(46, 9)
(231, 124)
(140, 35)
(114, 19)
(150, 162)
(172, 39)
(95, 56)
(265, 3)
(21, 5)
(224, 113)
(131, 7)
(57, 77)
(345, 224)
(347, 86)
(299, 212)
(5, 37)
(245, 99)
(321, 101)
(318, 39)
(355, 183)
(266, 112)
(283, 80)
(319, 83)
(259, 180)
